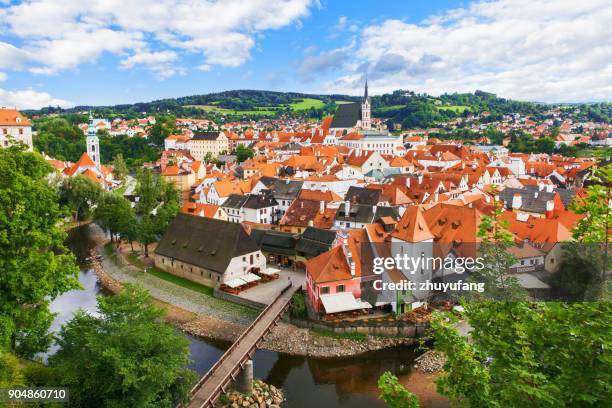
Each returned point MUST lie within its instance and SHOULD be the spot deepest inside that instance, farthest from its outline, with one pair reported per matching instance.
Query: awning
(250, 277)
(342, 302)
(269, 271)
(235, 283)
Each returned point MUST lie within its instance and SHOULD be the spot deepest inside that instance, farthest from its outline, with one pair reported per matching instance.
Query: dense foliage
(528, 355)
(394, 394)
(126, 357)
(35, 265)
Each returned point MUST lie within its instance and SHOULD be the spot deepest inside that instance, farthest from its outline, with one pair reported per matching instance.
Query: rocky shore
(430, 362)
(263, 396)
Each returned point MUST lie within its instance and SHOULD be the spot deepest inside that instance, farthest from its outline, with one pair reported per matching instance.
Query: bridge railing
(235, 344)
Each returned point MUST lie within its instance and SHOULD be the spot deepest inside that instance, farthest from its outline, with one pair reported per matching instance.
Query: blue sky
(73, 52)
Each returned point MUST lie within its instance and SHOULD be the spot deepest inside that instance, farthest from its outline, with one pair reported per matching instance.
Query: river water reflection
(307, 382)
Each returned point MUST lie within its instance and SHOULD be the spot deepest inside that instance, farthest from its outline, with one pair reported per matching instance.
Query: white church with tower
(352, 127)
(89, 163)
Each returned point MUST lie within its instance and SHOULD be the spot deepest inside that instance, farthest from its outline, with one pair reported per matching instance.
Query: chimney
(517, 201)
(374, 208)
(347, 208)
(550, 207)
(321, 206)
(408, 182)
(420, 178)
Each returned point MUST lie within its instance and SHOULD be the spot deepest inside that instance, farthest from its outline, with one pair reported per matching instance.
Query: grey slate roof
(262, 200)
(347, 115)
(532, 200)
(315, 241)
(364, 213)
(361, 195)
(205, 242)
(235, 201)
(286, 189)
(205, 135)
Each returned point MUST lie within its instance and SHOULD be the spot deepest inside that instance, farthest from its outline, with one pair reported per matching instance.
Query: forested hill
(399, 107)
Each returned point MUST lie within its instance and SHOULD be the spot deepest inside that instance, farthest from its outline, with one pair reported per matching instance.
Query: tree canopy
(36, 266)
(126, 357)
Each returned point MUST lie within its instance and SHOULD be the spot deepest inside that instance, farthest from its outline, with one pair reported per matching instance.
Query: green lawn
(196, 287)
(342, 102)
(307, 103)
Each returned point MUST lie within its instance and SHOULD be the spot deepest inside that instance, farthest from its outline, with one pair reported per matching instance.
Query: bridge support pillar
(244, 381)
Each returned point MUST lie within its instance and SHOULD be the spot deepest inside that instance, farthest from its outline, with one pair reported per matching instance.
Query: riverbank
(210, 318)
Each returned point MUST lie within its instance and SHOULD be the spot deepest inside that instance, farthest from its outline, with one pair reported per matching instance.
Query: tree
(120, 170)
(147, 232)
(495, 241)
(35, 265)
(80, 193)
(126, 357)
(243, 153)
(394, 394)
(158, 204)
(585, 261)
(522, 354)
(113, 213)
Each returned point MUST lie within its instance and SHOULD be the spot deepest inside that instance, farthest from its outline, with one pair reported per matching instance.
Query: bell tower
(366, 120)
(93, 143)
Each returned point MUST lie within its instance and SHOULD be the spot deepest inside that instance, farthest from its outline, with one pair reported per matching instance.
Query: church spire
(365, 94)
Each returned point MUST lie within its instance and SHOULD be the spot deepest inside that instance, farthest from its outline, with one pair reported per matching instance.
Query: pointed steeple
(365, 94)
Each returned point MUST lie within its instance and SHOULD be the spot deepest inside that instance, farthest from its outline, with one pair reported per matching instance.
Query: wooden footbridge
(225, 371)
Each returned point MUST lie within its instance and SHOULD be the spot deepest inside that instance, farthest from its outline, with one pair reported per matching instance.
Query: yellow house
(202, 143)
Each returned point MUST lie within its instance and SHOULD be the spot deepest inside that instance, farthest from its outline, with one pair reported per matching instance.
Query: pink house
(332, 282)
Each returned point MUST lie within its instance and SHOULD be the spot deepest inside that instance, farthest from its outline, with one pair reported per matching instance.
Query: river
(306, 381)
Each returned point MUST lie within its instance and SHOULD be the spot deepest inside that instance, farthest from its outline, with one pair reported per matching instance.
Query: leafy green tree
(394, 394)
(585, 261)
(80, 194)
(113, 213)
(120, 169)
(545, 145)
(127, 357)
(158, 204)
(243, 153)
(35, 265)
(523, 354)
(495, 241)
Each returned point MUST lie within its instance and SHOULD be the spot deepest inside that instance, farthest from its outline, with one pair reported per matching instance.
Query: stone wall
(390, 329)
(218, 293)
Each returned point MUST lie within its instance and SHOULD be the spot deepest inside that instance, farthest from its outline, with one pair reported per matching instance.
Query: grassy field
(196, 287)
(454, 108)
(307, 103)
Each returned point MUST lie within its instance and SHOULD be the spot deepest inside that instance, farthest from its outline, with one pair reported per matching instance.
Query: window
(21, 131)
(251, 259)
(5, 131)
(339, 288)
(325, 290)
(244, 259)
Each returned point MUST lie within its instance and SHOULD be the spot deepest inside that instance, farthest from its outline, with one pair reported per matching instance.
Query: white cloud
(2, 76)
(30, 99)
(545, 50)
(62, 34)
